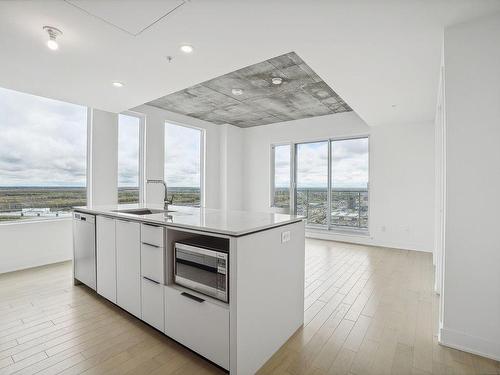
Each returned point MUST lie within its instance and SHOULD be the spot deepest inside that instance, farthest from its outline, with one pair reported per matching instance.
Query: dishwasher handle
(78, 216)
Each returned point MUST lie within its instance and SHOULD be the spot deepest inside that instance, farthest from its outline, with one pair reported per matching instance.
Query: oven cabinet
(200, 324)
(152, 275)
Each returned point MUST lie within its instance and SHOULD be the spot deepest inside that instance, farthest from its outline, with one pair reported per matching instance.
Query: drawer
(201, 325)
(152, 235)
(152, 262)
(152, 304)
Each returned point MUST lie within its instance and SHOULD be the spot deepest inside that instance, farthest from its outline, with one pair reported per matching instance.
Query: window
(43, 147)
(312, 181)
(129, 160)
(350, 183)
(282, 176)
(330, 179)
(183, 164)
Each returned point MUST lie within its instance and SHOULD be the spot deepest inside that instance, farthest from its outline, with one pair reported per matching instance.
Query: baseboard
(361, 239)
(471, 344)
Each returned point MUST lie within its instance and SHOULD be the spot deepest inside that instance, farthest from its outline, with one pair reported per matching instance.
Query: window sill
(349, 232)
(33, 221)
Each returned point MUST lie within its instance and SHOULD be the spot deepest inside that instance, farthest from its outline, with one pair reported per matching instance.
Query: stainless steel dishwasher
(84, 252)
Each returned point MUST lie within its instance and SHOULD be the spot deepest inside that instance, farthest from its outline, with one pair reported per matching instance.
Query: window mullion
(329, 188)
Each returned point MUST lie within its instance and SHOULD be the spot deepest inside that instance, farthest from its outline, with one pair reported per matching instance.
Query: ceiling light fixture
(277, 80)
(118, 84)
(186, 48)
(237, 91)
(53, 34)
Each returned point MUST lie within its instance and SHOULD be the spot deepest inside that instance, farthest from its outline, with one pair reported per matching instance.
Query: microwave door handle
(194, 298)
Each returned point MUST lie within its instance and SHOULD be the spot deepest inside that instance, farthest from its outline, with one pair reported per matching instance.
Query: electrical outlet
(285, 236)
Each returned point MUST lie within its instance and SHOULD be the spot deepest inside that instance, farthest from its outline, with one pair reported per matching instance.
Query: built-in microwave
(203, 268)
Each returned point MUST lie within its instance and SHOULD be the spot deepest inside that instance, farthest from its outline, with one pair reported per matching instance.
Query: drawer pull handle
(149, 244)
(194, 298)
(153, 281)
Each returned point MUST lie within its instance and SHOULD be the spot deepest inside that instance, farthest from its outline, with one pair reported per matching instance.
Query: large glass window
(43, 147)
(312, 181)
(330, 180)
(350, 183)
(282, 174)
(183, 157)
(129, 140)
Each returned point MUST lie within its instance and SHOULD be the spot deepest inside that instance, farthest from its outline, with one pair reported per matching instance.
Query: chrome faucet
(165, 200)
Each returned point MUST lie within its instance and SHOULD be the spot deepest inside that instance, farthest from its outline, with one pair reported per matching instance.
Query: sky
(182, 155)
(42, 141)
(349, 164)
(128, 151)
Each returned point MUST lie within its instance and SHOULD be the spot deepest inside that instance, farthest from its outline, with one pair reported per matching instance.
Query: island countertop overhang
(233, 223)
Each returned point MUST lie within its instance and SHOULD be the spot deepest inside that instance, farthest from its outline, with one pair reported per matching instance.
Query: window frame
(202, 155)
(142, 152)
(272, 187)
(293, 178)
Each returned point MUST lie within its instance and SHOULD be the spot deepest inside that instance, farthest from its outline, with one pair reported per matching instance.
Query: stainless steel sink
(141, 211)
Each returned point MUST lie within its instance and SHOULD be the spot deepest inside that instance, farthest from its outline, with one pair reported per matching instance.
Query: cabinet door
(199, 324)
(106, 258)
(152, 303)
(128, 266)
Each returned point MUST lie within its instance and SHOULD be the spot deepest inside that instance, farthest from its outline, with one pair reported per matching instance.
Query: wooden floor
(368, 311)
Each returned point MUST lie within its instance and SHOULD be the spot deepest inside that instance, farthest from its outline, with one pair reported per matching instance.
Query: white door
(128, 266)
(106, 258)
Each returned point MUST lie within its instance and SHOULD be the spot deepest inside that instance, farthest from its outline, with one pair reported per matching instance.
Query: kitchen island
(239, 326)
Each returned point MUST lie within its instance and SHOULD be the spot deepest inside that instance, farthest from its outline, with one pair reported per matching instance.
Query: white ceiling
(374, 54)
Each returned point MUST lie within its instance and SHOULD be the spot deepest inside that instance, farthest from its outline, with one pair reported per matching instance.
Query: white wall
(155, 152)
(471, 316)
(31, 244)
(104, 157)
(401, 174)
(231, 167)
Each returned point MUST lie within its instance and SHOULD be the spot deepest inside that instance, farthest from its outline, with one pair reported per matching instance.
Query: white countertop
(232, 223)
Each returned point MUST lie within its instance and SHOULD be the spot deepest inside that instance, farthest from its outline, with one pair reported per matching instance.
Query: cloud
(182, 150)
(128, 151)
(349, 160)
(42, 141)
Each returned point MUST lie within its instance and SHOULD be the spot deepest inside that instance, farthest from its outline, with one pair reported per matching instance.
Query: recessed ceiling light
(237, 92)
(186, 48)
(277, 80)
(53, 34)
(118, 84)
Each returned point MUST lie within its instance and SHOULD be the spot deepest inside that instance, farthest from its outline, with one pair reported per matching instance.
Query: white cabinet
(106, 258)
(128, 266)
(152, 303)
(199, 324)
(152, 272)
(152, 262)
(152, 234)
